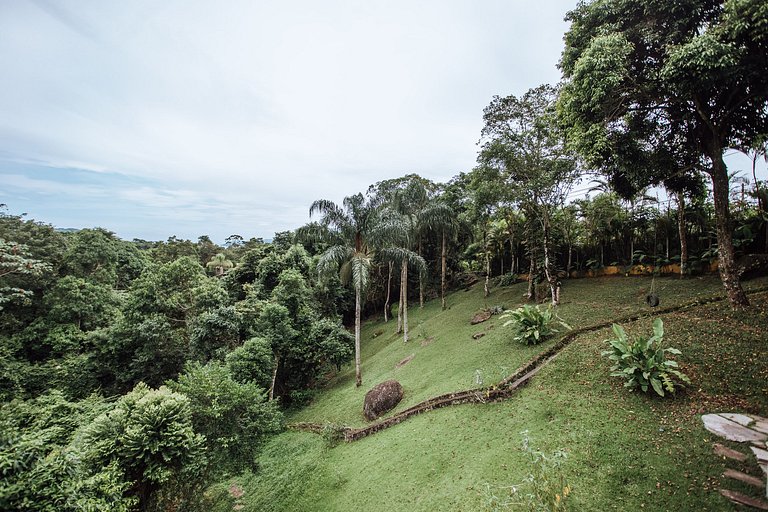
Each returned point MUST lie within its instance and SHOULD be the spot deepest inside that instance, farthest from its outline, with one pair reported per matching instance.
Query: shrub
(253, 361)
(234, 417)
(41, 461)
(545, 488)
(533, 324)
(643, 362)
(149, 436)
(508, 279)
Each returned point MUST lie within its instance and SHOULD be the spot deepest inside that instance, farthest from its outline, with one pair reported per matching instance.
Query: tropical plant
(150, 436)
(355, 231)
(642, 362)
(234, 417)
(533, 324)
(219, 264)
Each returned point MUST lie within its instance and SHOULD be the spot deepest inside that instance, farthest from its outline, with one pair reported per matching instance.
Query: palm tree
(220, 264)
(355, 231)
(440, 217)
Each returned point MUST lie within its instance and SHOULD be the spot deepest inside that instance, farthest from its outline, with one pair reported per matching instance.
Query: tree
(150, 436)
(234, 417)
(645, 78)
(356, 231)
(15, 260)
(522, 139)
(219, 264)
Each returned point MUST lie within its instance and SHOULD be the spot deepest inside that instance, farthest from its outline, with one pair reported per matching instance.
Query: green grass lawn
(626, 451)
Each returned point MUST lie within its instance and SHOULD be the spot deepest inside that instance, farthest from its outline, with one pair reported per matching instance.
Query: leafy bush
(508, 279)
(498, 309)
(643, 362)
(253, 361)
(149, 436)
(234, 417)
(41, 462)
(533, 324)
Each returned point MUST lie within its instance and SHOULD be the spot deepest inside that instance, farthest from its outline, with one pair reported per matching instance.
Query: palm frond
(361, 271)
(399, 254)
(314, 232)
(333, 257)
(331, 214)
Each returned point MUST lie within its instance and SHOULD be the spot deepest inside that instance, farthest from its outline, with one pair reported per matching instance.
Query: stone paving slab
(762, 455)
(731, 430)
(741, 419)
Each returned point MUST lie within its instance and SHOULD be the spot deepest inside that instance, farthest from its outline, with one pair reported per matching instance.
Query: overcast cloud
(187, 118)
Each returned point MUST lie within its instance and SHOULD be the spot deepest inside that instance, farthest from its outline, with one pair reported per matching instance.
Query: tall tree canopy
(654, 89)
(522, 139)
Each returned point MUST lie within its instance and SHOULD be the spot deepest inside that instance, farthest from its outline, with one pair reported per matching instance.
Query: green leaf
(656, 383)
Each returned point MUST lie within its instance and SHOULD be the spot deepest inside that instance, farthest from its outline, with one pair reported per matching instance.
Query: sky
(188, 118)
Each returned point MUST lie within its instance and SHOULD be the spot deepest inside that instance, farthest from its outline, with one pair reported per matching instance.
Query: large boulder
(382, 398)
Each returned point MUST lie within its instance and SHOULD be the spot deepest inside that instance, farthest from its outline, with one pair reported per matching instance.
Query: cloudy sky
(158, 118)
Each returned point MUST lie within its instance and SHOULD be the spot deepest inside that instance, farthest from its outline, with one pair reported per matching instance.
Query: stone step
(724, 451)
(743, 499)
(743, 477)
(762, 455)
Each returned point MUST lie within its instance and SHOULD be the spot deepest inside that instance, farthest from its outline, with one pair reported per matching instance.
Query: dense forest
(135, 374)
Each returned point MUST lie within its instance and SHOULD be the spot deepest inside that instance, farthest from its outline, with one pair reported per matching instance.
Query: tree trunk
(421, 282)
(683, 234)
(389, 289)
(512, 250)
(570, 260)
(404, 288)
(531, 284)
(442, 272)
(761, 206)
(549, 271)
(400, 306)
(726, 262)
(358, 375)
(274, 377)
(486, 289)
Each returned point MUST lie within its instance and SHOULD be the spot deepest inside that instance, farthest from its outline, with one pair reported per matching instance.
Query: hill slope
(624, 450)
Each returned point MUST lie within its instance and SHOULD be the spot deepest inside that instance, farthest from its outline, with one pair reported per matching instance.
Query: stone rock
(480, 317)
(724, 451)
(382, 398)
(731, 430)
(478, 335)
(760, 426)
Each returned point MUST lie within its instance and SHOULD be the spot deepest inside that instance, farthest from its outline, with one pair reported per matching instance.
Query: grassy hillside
(624, 450)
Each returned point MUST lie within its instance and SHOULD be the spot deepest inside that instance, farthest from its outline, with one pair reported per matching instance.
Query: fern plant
(642, 362)
(533, 324)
